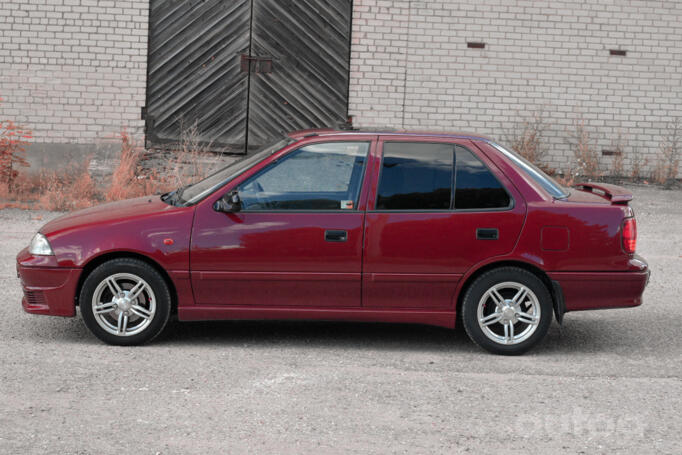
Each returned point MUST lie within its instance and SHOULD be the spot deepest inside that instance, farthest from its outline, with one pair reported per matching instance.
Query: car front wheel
(125, 302)
(507, 310)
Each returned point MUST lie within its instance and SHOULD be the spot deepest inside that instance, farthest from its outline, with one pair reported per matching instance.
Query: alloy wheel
(508, 313)
(123, 304)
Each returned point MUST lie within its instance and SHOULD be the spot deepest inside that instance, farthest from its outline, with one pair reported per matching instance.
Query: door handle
(487, 234)
(335, 236)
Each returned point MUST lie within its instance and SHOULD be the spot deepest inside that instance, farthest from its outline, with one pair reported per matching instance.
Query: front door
(297, 240)
(439, 209)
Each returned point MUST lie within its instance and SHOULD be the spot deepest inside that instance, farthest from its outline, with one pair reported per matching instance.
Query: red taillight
(629, 235)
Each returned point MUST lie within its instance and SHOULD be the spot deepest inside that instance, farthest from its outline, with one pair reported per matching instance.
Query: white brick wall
(411, 68)
(73, 70)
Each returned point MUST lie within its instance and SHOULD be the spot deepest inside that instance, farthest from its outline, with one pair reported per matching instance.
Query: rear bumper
(47, 290)
(601, 290)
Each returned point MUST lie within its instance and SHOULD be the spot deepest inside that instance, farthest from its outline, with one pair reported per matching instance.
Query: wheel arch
(96, 261)
(553, 287)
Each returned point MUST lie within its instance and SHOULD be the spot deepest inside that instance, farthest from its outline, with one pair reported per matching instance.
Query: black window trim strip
(453, 179)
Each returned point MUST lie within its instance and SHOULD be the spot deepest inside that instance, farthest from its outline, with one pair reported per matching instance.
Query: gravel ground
(605, 382)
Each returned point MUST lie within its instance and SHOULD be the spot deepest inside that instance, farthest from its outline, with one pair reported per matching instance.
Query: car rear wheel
(507, 310)
(125, 302)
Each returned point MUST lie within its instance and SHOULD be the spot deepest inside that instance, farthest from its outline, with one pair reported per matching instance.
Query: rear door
(438, 207)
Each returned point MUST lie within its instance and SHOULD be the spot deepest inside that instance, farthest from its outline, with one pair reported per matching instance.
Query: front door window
(324, 176)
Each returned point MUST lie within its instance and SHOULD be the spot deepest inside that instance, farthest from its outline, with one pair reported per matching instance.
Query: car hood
(108, 214)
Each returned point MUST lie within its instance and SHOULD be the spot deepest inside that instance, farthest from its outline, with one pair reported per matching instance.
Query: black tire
(160, 291)
(497, 277)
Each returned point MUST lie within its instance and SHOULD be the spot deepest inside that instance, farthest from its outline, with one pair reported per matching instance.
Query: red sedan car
(347, 225)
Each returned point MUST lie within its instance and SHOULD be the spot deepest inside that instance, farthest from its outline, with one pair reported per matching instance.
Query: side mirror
(229, 203)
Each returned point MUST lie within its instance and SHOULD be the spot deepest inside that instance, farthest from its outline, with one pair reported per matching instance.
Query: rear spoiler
(614, 193)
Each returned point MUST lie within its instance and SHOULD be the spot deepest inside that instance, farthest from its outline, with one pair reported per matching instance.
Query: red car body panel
(137, 226)
(48, 288)
(257, 258)
(396, 266)
(591, 291)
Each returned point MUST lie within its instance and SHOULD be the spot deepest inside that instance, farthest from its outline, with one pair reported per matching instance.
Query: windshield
(195, 192)
(545, 181)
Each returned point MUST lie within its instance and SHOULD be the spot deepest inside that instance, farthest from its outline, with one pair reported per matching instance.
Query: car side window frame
(270, 165)
(453, 183)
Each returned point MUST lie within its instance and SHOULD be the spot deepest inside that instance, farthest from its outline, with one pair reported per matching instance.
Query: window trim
(525, 166)
(512, 201)
(356, 204)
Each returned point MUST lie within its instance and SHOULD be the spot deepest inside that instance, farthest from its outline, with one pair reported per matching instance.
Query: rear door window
(421, 176)
(415, 176)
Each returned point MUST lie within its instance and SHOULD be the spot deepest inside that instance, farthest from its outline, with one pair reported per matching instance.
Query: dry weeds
(668, 163)
(14, 139)
(528, 138)
(584, 151)
(72, 188)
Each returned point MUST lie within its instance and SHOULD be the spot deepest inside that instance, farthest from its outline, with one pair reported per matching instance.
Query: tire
(125, 302)
(507, 310)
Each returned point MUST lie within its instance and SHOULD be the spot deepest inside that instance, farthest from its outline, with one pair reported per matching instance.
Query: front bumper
(601, 290)
(48, 289)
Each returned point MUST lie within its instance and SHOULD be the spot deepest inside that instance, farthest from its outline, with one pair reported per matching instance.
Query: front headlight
(40, 246)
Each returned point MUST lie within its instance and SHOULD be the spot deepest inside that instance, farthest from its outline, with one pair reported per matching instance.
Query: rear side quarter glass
(475, 185)
(535, 173)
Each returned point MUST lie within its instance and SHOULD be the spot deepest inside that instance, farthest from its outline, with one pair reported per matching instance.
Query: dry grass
(13, 142)
(69, 188)
(586, 163)
(618, 146)
(527, 138)
(141, 173)
(638, 163)
(190, 159)
(130, 179)
(72, 188)
(668, 162)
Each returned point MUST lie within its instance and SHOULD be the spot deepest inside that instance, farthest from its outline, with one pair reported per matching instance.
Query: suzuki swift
(347, 225)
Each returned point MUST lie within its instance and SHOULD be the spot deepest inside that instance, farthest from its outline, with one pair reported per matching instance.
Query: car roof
(384, 132)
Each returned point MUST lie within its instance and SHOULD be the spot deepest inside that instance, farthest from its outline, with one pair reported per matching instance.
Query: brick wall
(73, 70)
(411, 68)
